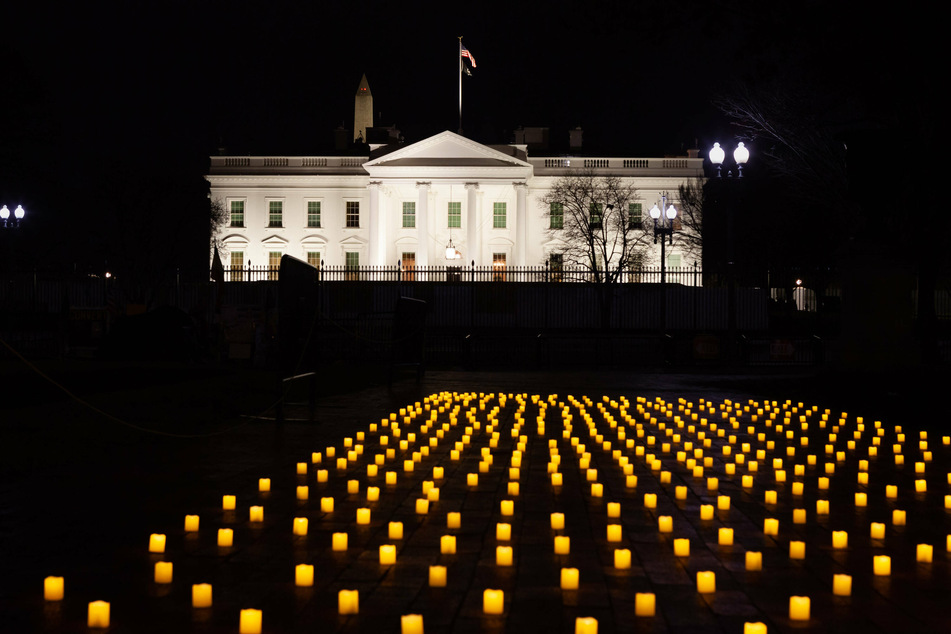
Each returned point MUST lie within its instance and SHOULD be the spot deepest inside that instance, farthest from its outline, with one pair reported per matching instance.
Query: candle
(256, 514)
(924, 553)
(898, 517)
(300, 526)
(201, 595)
(882, 565)
(503, 555)
(411, 624)
(225, 537)
(437, 576)
(682, 547)
(353, 486)
(713, 484)
(822, 507)
(98, 614)
(725, 536)
(614, 509)
(422, 506)
(569, 578)
(562, 544)
(303, 492)
(557, 521)
(665, 524)
(339, 542)
(840, 539)
(622, 558)
(348, 602)
(630, 481)
(650, 500)
(264, 485)
(770, 497)
(797, 550)
(798, 608)
(799, 516)
(191, 523)
(53, 588)
(228, 502)
(645, 604)
(861, 499)
(373, 494)
(747, 481)
(706, 581)
(322, 475)
(877, 530)
(507, 507)
(754, 560)
(754, 628)
(503, 532)
(586, 625)
(301, 468)
(842, 585)
(706, 511)
(387, 554)
(597, 489)
(472, 479)
(513, 488)
(163, 572)
(395, 530)
(614, 532)
(493, 601)
(304, 575)
(797, 488)
(723, 502)
(556, 479)
(447, 544)
(363, 516)
(156, 543)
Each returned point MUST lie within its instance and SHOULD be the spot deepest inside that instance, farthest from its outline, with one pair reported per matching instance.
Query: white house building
(405, 205)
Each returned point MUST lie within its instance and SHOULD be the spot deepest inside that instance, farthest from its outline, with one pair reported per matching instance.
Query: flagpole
(460, 84)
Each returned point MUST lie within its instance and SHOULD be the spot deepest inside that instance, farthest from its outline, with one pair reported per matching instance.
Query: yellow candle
(650, 500)
(557, 521)
(680, 492)
(713, 484)
(387, 554)
(301, 468)
(754, 560)
(264, 485)
(586, 625)
(303, 492)
(898, 517)
(507, 507)
(645, 604)
(840, 539)
(622, 558)
(228, 502)
(882, 565)
(348, 602)
(363, 516)
(191, 523)
(201, 595)
(706, 511)
(630, 481)
(746, 481)
(225, 537)
(256, 514)
(53, 588)
(924, 553)
(163, 572)
(304, 575)
(98, 614)
(770, 497)
(797, 550)
(682, 547)
(422, 506)
(493, 601)
(754, 628)
(614, 533)
(877, 530)
(327, 505)
(156, 543)
(373, 494)
(614, 509)
(725, 536)
(447, 544)
(706, 581)
(556, 479)
(797, 488)
(665, 524)
(562, 544)
(339, 542)
(799, 516)
(861, 499)
(437, 576)
(723, 502)
(569, 578)
(503, 555)
(322, 475)
(798, 608)
(842, 585)
(503, 532)
(597, 489)
(411, 624)
(822, 507)
(408, 465)
(300, 526)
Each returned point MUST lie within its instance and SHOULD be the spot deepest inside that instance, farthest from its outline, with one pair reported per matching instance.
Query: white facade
(401, 203)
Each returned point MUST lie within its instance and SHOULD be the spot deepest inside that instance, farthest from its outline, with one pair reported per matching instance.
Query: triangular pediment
(445, 151)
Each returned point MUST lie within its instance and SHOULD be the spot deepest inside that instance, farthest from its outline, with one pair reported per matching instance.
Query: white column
(422, 224)
(377, 246)
(473, 217)
(521, 224)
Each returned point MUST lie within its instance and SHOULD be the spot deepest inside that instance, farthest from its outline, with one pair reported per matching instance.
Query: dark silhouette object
(164, 334)
(297, 317)
(409, 336)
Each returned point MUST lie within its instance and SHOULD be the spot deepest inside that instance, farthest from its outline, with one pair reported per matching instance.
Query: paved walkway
(87, 480)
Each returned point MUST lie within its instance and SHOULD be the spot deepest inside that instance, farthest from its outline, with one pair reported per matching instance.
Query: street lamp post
(663, 227)
(740, 156)
(6, 221)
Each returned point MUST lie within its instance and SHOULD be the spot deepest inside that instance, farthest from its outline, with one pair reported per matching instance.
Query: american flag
(466, 53)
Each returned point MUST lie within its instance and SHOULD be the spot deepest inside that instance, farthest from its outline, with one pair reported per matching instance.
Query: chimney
(574, 138)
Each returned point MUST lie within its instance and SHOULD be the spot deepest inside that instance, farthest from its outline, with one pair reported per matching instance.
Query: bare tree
(691, 218)
(590, 216)
(218, 217)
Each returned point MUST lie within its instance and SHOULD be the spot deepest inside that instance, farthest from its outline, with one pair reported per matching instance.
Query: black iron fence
(683, 275)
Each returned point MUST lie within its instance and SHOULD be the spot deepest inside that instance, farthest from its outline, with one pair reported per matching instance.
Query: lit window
(313, 258)
(596, 210)
(353, 213)
(352, 265)
(275, 217)
(557, 264)
(408, 262)
(237, 213)
(498, 215)
(409, 215)
(237, 266)
(498, 266)
(313, 213)
(455, 215)
(273, 264)
(556, 214)
(635, 216)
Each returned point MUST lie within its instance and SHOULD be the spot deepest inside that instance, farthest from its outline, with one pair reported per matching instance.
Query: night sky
(107, 101)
